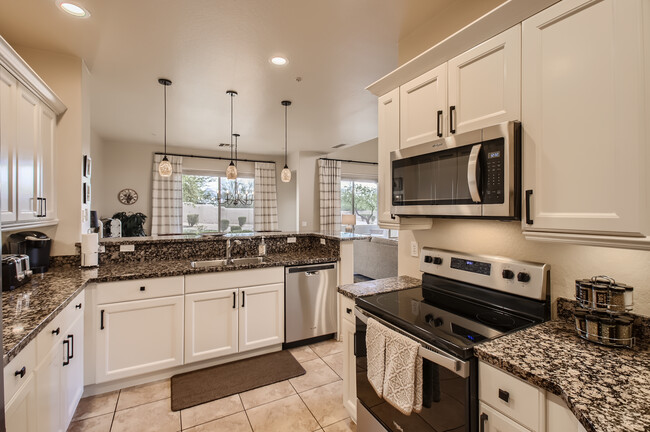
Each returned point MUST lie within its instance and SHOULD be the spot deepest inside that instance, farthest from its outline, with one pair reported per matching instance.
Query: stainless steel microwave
(475, 175)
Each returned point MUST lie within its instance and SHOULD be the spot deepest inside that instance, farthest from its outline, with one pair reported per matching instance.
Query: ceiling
(335, 48)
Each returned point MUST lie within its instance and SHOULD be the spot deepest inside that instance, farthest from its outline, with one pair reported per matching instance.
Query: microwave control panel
(493, 175)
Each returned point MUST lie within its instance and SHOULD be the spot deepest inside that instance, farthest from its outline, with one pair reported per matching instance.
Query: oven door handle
(472, 173)
(426, 351)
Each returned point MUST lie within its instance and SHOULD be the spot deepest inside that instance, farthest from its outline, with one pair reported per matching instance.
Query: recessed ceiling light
(279, 61)
(74, 10)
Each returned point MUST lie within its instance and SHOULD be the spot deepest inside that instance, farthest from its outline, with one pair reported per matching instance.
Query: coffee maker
(36, 245)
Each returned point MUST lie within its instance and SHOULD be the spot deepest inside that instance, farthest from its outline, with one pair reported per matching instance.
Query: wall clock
(127, 196)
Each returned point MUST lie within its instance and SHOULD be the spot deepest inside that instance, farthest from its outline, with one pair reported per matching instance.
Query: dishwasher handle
(311, 269)
(311, 273)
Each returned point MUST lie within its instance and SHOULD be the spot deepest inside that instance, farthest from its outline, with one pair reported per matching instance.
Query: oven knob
(428, 259)
(437, 260)
(437, 322)
(428, 318)
(507, 274)
(523, 277)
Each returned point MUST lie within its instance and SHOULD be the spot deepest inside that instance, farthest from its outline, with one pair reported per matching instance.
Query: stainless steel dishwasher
(310, 301)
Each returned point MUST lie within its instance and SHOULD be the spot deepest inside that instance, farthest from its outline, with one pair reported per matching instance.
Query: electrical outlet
(127, 248)
(415, 250)
(322, 241)
(102, 248)
(291, 239)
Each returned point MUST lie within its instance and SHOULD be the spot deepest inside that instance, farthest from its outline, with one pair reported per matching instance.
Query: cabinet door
(48, 389)
(8, 90)
(349, 369)
(491, 420)
(72, 373)
(136, 337)
(45, 164)
(211, 324)
(20, 410)
(28, 111)
(388, 141)
(423, 102)
(261, 316)
(584, 118)
(485, 83)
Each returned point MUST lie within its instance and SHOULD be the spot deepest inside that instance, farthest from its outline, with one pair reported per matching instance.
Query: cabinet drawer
(523, 400)
(347, 308)
(53, 332)
(25, 359)
(233, 279)
(494, 421)
(141, 289)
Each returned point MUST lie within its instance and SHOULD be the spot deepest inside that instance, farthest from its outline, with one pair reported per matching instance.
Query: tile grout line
(245, 412)
(115, 410)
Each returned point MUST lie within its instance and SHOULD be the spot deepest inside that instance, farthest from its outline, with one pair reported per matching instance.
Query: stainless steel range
(464, 300)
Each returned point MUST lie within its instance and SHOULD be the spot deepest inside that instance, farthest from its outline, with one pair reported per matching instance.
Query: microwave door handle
(472, 173)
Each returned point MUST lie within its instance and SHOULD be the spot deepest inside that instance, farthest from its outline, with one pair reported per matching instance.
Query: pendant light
(231, 171)
(165, 167)
(285, 175)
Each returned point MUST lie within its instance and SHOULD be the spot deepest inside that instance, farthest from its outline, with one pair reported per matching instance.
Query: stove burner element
(496, 319)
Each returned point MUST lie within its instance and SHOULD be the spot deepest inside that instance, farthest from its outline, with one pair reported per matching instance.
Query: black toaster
(15, 271)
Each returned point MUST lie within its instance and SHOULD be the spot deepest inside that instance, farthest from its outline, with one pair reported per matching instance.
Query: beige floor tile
(94, 406)
(346, 425)
(145, 393)
(211, 411)
(151, 417)
(318, 374)
(327, 347)
(101, 423)
(326, 403)
(233, 423)
(335, 361)
(288, 414)
(269, 393)
(303, 353)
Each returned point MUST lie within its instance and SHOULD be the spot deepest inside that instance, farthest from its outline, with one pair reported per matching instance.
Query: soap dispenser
(262, 248)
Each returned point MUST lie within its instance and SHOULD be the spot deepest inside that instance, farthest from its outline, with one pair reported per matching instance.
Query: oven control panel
(522, 278)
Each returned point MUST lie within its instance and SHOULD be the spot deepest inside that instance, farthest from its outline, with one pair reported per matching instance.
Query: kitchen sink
(224, 262)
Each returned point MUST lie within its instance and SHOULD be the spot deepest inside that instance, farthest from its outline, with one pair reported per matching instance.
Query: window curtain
(329, 176)
(266, 199)
(167, 198)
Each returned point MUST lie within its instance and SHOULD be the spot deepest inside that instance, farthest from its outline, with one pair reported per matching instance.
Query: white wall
(568, 262)
(68, 77)
(130, 165)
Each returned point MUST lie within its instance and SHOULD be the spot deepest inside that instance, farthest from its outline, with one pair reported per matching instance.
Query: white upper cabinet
(28, 113)
(584, 116)
(8, 90)
(388, 137)
(423, 102)
(485, 83)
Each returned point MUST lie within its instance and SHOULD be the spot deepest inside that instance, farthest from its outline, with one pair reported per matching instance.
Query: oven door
(450, 391)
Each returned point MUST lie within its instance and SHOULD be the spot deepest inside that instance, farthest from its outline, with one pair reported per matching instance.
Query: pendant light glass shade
(231, 171)
(285, 175)
(165, 167)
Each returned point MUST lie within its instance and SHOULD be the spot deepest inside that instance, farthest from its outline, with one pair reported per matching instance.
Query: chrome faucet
(229, 249)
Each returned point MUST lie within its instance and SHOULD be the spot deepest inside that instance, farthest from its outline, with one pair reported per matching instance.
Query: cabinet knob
(78, 306)
(21, 372)
(504, 395)
(57, 331)
(348, 310)
(142, 288)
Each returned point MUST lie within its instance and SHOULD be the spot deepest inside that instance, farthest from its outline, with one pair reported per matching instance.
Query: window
(359, 197)
(203, 211)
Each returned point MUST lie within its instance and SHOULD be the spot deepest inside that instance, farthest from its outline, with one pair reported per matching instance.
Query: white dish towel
(394, 367)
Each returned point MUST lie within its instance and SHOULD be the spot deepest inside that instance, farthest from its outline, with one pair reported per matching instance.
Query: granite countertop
(183, 238)
(26, 310)
(377, 286)
(606, 388)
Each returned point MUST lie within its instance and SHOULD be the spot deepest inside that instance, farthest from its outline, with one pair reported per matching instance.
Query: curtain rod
(213, 157)
(348, 161)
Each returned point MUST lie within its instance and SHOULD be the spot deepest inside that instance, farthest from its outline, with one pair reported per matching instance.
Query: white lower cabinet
(261, 316)
(348, 327)
(140, 336)
(20, 410)
(509, 404)
(72, 378)
(211, 325)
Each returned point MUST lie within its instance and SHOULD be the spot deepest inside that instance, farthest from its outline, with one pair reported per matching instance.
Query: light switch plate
(127, 248)
(415, 250)
(102, 248)
(291, 239)
(322, 241)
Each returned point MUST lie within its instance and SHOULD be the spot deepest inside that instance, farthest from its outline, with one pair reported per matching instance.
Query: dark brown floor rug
(205, 385)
